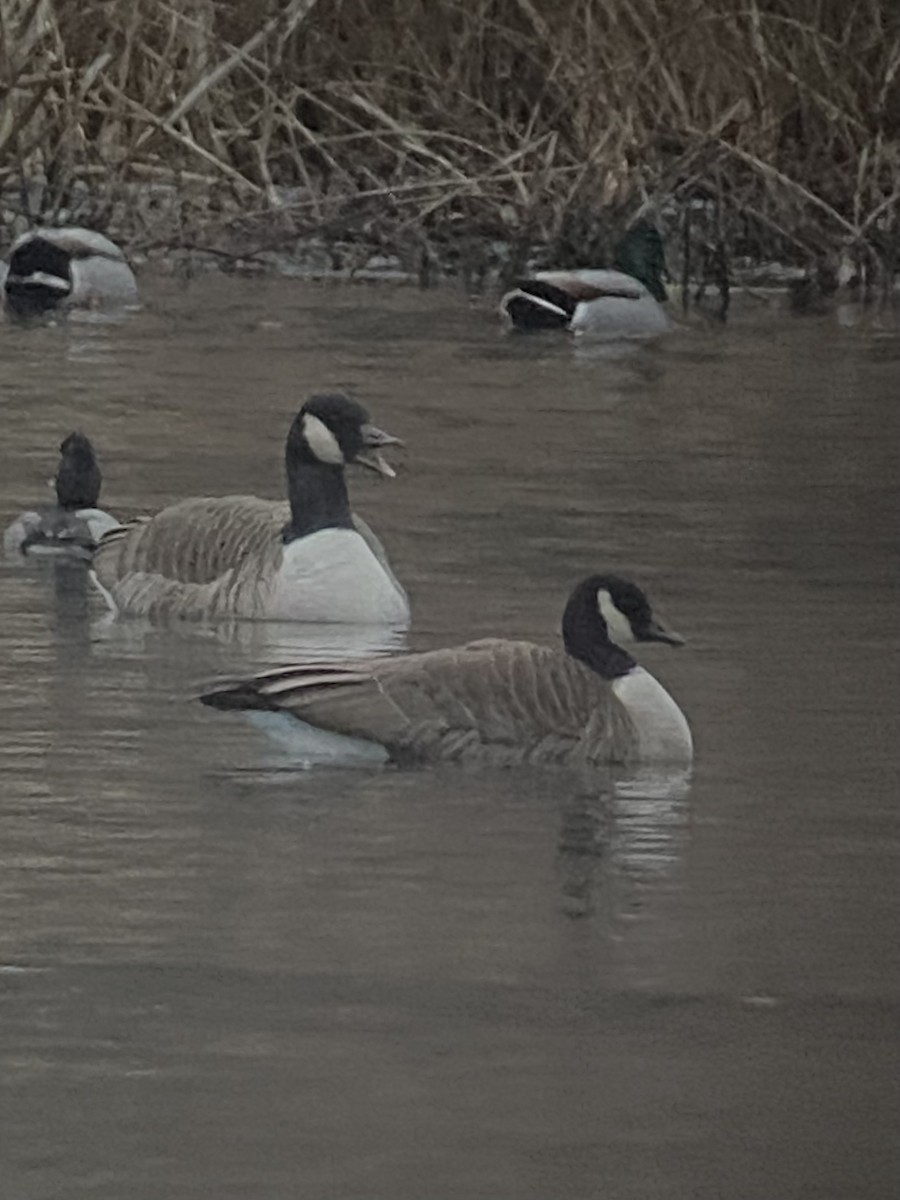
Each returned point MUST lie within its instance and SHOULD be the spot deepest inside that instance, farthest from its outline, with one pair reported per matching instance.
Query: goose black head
(333, 430)
(328, 432)
(641, 255)
(78, 477)
(604, 611)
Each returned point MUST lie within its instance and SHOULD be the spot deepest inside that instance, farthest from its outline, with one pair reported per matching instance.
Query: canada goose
(239, 556)
(66, 268)
(74, 525)
(625, 302)
(492, 701)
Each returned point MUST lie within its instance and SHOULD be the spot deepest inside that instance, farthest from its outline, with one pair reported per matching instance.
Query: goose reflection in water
(612, 830)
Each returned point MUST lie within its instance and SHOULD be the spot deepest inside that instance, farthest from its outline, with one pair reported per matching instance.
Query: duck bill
(654, 632)
(373, 439)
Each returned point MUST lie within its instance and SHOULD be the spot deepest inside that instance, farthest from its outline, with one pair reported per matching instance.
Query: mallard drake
(494, 701)
(74, 525)
(622, 302)
(240, 556)
(66, 268)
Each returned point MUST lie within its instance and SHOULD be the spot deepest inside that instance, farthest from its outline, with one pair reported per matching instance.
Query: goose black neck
(318, 495)
(586, 637)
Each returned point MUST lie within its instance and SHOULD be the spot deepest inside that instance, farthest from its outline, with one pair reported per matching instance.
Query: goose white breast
(332, 575)
(662, 729)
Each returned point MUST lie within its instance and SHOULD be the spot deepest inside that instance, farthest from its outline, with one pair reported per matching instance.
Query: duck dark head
(78, 477)
(641, 255)
(604, 611)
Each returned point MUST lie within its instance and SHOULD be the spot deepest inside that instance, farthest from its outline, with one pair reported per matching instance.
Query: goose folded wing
(194, 541)
(520, 699)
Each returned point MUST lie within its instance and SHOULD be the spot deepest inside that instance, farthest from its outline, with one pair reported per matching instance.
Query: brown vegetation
(759, 128)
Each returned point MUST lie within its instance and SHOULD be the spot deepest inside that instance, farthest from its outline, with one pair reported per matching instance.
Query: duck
(494, 701)
(622, 302)
(227, 557)
(73, 526)
(61, 268)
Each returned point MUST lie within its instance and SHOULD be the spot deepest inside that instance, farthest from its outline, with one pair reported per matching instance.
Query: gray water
(222, 977)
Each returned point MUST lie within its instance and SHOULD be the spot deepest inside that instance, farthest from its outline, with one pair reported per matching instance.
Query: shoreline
(195, 229)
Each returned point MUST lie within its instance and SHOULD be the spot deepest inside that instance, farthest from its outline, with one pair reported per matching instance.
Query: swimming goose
(66, 268)
(493, 701)
(240, 556)
(74, 526)
(625, 302)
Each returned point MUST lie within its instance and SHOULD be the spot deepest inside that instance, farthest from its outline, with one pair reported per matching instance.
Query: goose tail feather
(270, 689)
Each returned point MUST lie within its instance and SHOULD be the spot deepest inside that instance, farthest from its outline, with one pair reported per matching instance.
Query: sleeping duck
(74, 525)
(65, 268)
(618, 303)
(308, 559)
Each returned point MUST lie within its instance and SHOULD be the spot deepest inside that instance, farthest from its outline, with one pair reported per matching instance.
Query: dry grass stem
(764, 128)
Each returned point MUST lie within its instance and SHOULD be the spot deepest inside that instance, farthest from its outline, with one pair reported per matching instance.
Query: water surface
(222, 977)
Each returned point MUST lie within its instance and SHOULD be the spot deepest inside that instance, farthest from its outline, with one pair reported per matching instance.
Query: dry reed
(763, 128)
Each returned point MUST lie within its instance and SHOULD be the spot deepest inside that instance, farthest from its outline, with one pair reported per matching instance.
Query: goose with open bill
(308, 559)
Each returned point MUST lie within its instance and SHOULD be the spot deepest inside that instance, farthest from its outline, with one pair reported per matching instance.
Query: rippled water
(224, 978)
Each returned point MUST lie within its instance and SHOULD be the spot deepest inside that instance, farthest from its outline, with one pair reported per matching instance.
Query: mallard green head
(640, 254)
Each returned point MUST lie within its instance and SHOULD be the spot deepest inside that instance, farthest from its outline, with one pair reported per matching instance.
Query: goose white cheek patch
(322, 441)
(617, 623)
